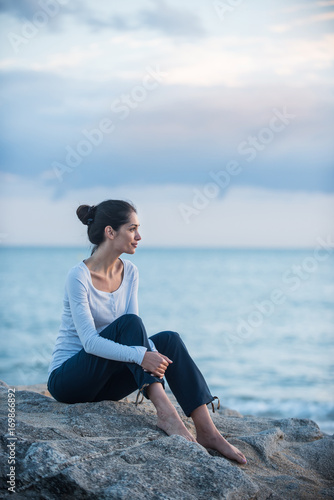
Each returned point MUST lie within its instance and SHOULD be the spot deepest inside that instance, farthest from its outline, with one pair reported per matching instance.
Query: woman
(102, 350)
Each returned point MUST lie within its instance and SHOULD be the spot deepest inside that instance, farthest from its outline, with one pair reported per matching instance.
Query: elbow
(89, 347)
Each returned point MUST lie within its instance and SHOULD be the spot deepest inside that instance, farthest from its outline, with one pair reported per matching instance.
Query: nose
(138, 237)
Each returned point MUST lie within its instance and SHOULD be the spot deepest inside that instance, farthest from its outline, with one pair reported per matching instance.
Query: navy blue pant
(85, 377)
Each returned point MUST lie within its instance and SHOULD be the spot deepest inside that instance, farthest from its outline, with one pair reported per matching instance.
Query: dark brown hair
(112, 213)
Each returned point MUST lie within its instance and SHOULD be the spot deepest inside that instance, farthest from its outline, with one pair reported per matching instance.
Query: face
(127, 237)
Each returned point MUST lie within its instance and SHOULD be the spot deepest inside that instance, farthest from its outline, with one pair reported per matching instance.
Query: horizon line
(153, 247)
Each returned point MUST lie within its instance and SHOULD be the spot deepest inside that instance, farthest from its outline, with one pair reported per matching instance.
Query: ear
(109, 232)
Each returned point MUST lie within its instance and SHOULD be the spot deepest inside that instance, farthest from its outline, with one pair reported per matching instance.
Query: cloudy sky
(214, 117)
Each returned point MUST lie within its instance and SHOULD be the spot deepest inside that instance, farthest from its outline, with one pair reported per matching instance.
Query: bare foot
(168, 418)
(217, 442)
(170, 422)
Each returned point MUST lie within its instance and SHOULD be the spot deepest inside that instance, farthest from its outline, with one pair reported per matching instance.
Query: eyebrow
(135, 225)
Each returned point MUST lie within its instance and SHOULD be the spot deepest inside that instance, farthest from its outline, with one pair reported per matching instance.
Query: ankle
(159, 398)
(208, 435)
(165, 410)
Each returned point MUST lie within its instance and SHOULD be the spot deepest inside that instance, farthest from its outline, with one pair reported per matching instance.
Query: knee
(123, 325)
(173, 336)
(169, 338)
(131, 319)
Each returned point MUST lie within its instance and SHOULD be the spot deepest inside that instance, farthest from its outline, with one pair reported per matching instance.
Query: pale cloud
(222, 61)
(245, 217)
(328, 3)
(303, 55)
(235, 62)
(11, 63)
(307, 6)
(306, 21)
(74, 58)
(213, 63)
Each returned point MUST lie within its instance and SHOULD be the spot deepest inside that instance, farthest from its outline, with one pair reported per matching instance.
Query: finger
(166, 358)
(161, 370)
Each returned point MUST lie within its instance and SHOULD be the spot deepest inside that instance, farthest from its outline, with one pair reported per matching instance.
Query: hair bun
(86, 214)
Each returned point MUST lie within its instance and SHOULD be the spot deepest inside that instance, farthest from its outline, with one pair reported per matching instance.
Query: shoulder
(130, 269)
(79, 272)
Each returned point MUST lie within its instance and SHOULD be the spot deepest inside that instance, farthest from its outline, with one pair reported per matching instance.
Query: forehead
(133, 219)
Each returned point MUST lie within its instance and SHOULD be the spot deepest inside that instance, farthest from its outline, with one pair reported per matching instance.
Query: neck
(103, 260)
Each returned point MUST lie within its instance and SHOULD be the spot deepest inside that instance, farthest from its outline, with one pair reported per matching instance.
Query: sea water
(259, 323)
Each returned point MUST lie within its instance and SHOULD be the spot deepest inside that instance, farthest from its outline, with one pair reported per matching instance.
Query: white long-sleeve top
(87, 311)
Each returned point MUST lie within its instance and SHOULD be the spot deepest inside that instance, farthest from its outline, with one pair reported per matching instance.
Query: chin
(130, 251)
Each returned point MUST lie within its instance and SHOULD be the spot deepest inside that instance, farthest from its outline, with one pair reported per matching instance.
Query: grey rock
(320, 456)
(266, 443)
(113, 450)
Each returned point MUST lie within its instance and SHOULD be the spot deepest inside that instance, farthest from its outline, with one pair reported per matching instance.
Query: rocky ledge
(113, 450)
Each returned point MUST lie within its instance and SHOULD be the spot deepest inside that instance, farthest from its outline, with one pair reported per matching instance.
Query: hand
(155, 363)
